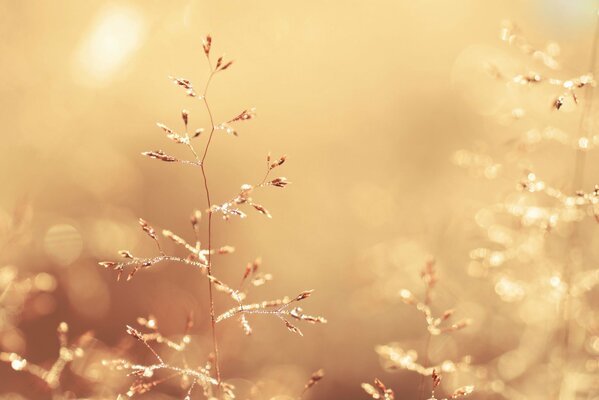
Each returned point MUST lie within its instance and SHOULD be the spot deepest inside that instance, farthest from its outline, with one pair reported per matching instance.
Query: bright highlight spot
(113, 37)
(63, 244)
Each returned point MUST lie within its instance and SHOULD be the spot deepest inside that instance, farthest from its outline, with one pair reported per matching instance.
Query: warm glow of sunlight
(114, 36)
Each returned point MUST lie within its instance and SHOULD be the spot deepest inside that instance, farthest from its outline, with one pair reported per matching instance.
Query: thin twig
(577, 183)
(207, 191)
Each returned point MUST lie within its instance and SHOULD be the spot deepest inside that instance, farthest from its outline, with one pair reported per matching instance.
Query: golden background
(369, 100)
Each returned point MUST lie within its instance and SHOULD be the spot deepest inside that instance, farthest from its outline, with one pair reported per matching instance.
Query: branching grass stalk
(201, 258)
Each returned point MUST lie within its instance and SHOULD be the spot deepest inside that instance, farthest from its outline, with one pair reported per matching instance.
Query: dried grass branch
(202, 257)
(278, 308)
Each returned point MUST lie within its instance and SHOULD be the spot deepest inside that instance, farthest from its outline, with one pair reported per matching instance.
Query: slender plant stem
(425, 362)
(580, 158)
(577, 184)
(427, 345)
(207, 191)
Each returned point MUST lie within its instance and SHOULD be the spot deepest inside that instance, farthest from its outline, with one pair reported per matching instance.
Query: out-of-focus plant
(539, 236)
(51, 377)
(394, 357)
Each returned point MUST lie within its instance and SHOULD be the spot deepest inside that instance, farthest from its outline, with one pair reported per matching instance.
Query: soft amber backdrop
(368, 99)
